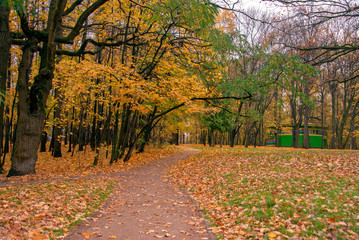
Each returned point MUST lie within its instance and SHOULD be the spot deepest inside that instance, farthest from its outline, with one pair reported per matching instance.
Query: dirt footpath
(146, 206)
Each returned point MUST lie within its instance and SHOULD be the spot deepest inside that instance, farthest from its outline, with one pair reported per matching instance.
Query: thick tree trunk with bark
(296, 129)
(31, 111)
(29, 124)
(28, 134)
(4, 60)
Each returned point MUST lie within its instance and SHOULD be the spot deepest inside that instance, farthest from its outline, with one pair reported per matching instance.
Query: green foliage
(4, 3)
(219, 121)
(194, 13)
(221, 42)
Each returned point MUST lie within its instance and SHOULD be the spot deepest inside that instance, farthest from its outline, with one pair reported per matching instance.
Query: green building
(285, 137)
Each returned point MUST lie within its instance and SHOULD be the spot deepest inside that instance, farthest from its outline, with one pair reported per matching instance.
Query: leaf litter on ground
(47, 204)
(275, 194)
(81, 164)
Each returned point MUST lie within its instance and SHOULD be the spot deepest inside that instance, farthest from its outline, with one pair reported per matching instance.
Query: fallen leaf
(87, 235)
(272, 235)
(38, 236)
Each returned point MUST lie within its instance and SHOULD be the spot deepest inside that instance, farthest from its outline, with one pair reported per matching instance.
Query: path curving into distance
(145, 205)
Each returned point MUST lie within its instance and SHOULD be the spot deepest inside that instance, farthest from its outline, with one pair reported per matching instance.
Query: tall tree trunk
(176, 137)
(296, 133)
(99, 129)
(29, 124)
(354, 114)
(211, 137)
(102, 137)
(125, 130)
(204, 137)
(322, 100)
(334, 117)
(71, 131)
(43, 141)
(114, 152)
(296, 126)
(31, 111)
(57, 127)
(51, 147)
(148, 130)
(93, 129)
(353, 143)
(8, 128)
(306, 139)
(4, 60)
(221, 140)
(80, 134)
(236, 127)
(57, 110)
(132, 138)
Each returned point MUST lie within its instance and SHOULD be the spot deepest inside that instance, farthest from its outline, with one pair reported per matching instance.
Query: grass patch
(269, 193)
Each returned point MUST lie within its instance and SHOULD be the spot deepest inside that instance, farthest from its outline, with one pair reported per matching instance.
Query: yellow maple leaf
(112, 237)
(272, 235)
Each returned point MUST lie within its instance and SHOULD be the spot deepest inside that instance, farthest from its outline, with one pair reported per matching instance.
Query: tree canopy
(114, 74)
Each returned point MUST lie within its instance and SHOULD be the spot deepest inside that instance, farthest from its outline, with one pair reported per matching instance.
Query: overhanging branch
(202, 99)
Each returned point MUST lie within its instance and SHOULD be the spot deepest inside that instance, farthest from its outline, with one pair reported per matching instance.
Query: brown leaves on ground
(81, 164)
(275, 194)
(46, 210)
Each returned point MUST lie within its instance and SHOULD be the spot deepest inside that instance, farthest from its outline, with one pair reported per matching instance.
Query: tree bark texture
(4, 59)
(31, 111)
(4, 42)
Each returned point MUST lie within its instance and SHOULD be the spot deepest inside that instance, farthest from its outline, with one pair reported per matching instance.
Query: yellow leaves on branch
(226, 21)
